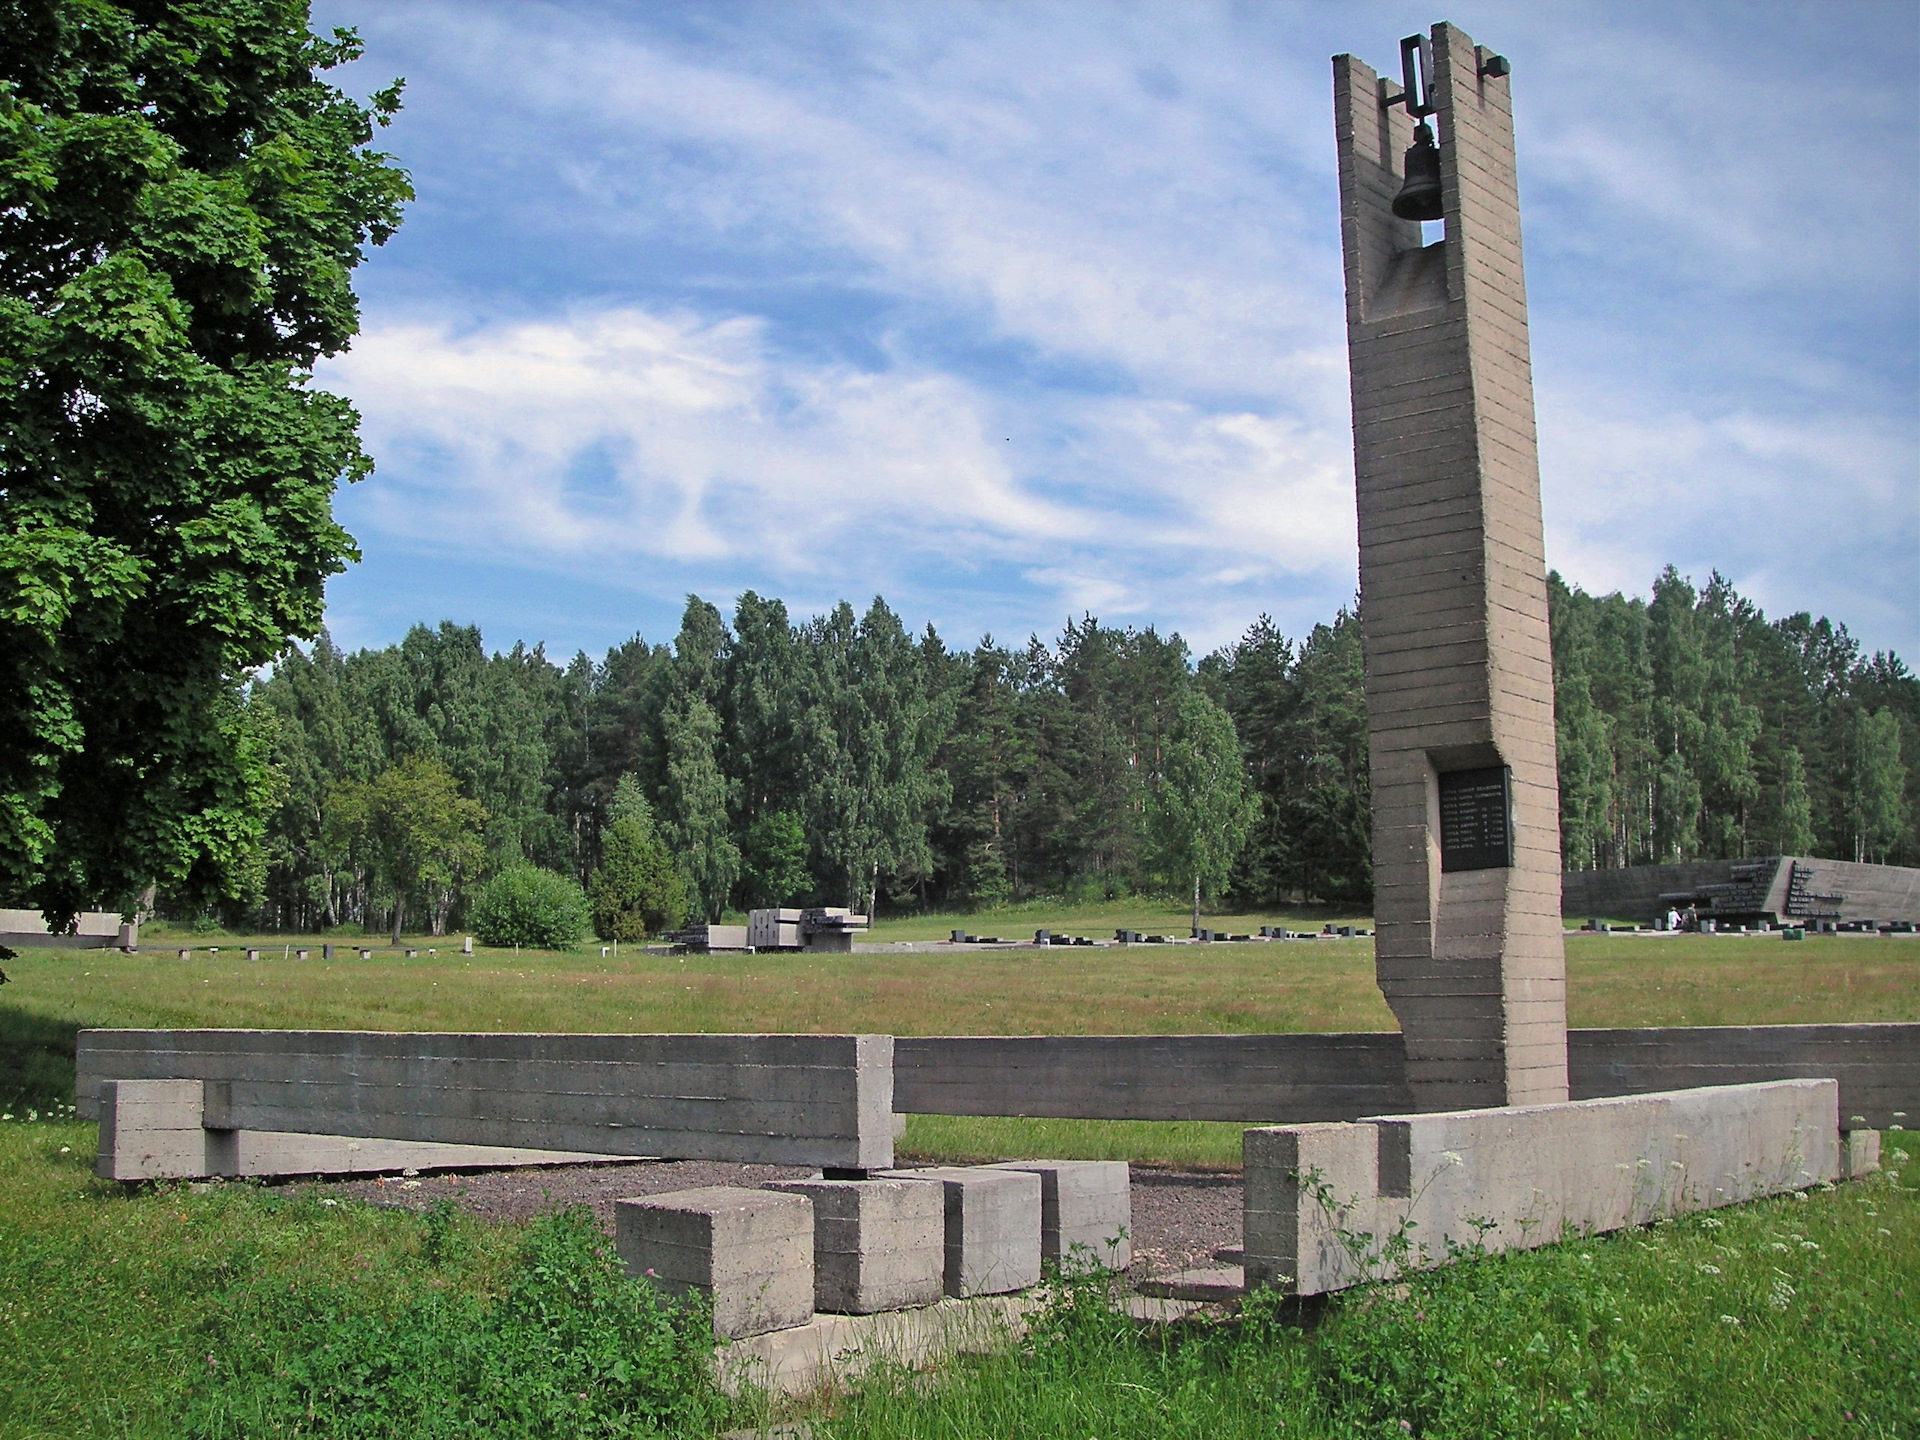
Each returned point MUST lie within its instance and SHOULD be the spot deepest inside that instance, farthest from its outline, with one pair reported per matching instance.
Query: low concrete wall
(1239, 1078)
(1263, 1079)
(1878, 1066)
(1323, 1202)
(93, 930)
(763, 1099)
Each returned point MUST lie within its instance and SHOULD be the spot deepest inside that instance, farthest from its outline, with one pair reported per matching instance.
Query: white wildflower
(1729, 1319)
(1706, 1269)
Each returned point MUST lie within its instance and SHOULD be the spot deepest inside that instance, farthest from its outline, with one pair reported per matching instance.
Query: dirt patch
(1179, 1218)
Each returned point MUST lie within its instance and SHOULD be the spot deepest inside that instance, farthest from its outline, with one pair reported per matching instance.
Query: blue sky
(1012, 311)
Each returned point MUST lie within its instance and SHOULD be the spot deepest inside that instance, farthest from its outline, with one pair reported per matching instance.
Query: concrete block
(151, 1130)
(1859, 1153)
(877, 1244)
(1086, 1209)
(992, 1227)
(749, 1251)
(1324, 1200)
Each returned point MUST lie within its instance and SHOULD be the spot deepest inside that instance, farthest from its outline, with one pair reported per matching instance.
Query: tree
(1794, 835)
(1879, 785)
(182, 204)
(413, 830)
(1201, 810)
(637, 891)
(773, 858)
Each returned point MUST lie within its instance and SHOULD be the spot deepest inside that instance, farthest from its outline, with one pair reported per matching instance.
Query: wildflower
(1729, 1319)
(1781, 1246)
(66, 1149)
(409, 1184)
(329, 1202)
(6, 1117)
(1456, 1162)
(1899, 1155)
(1885, 1231)
(1706, 1269)
(1809, 1245)
(1801, 1195)
(1708, 1222)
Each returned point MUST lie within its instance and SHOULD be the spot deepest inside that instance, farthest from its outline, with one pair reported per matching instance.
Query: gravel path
(1179, 1218)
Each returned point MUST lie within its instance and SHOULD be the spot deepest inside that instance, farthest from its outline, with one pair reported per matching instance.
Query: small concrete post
(466, 946)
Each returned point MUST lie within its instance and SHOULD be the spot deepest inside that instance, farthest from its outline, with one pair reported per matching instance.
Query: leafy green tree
(1794, 832)
(415, 832)
(1879, 785)
(182, 203)
(525, 905)
(695, 803)
(637, 891)
(774, 861)
(1201, 809)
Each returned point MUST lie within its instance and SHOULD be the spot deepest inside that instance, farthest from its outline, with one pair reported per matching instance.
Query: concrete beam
(760, 1099)
(1324, 1203)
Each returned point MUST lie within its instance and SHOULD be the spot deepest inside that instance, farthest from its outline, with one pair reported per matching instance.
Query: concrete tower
(1453, 594)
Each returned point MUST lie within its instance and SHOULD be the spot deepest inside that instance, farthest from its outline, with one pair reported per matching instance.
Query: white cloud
(1037, 308)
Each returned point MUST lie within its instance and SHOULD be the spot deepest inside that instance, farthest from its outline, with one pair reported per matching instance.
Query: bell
(1419, 197)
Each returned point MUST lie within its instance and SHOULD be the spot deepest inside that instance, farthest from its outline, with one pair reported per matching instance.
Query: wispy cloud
(1016, 311)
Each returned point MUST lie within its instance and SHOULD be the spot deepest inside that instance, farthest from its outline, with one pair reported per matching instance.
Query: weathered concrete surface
(1459, 668)
(92, 930)
(877, 1244)
(1267, 1079)
(992, 1227)
(1878, 1066)
(1859, 1153)
(838, 1349)
(1247, 1078)
(764, 1099)
(1086, 1210)
(749, 1251)
(1323, 1201)
(150, 1130)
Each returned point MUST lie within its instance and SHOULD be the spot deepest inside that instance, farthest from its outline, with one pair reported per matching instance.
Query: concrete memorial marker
(1453, 594)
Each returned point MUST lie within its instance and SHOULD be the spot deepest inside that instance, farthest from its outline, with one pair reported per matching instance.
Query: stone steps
(1205, 1284)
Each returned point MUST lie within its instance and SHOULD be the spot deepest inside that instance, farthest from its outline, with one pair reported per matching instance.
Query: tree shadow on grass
(36, 1059)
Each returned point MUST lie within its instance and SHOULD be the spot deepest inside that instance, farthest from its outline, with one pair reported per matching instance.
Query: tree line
(843, 759)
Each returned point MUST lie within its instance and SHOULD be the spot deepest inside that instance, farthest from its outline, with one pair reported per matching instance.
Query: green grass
(972, 1139)
(1320, 985)
(1786, 1318)
(247, 1310)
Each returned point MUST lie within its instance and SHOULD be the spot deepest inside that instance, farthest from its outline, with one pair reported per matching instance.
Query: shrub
(525, 905)
(571, 1348)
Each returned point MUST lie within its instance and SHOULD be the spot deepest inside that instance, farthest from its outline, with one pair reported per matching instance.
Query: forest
(845, 759)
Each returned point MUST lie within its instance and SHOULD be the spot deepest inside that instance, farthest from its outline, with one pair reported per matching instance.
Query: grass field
(241, 1310)
(1320, 985)
(246, 1310)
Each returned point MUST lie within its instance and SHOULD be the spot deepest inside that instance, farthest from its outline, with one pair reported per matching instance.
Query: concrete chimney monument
(1453, 594)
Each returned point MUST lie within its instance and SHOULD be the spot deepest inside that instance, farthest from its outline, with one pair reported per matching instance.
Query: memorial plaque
(1475, 831)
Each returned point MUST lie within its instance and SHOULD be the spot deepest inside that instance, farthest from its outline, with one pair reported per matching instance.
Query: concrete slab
(1323, 1201)
(749, 1251)
(837, 1349)
(1204, 1284)
(1086, 1210)
(992, 1227)
(877, 1244)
